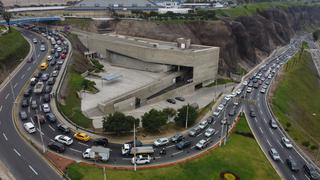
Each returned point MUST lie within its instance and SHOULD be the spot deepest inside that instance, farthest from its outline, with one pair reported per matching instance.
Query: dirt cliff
(244, 41)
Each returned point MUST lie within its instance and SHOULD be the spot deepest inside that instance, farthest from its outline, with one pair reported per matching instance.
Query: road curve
(17, 155)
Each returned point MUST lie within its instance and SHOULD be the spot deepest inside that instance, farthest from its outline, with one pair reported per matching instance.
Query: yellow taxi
(82, 136)
(44, 66)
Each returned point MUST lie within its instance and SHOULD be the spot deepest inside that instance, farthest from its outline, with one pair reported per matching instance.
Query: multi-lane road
(17, 154)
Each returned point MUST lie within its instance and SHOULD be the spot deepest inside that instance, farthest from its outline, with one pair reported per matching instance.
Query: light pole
(134, 146)
(187, 116)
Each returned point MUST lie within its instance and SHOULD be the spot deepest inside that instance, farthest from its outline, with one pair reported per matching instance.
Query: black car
(232, 112)
(210, 119)
(183, 144)
(292, 165)
(177, 138)
(63, 128)
(53, 62)
(23, 115)
(172, 101)
(311, 171)
(138, 143)
(51, 81)
(256, 85)
(51, 117)
(101, 142)
(252, 113)
(46, 97)
(57, 67)
(47, 89)
(38, 75)
(179, 98)
(56, 146)
(28, 92)
(25, 103)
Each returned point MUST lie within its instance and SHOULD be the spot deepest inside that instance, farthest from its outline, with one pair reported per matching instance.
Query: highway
(268, 137)
(19, 157)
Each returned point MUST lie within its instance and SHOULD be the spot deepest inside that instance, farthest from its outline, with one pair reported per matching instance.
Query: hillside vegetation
(247, 162)
(296, 101)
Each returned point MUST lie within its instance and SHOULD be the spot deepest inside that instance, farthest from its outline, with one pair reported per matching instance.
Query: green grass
(72, 107)
(241, 156)
(220, 81)
(296, 101)
(10, 44)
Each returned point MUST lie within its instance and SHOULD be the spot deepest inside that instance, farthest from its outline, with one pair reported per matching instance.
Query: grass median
(296, 101)
(241, 156)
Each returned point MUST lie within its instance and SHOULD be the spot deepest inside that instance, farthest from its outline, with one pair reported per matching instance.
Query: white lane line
(268, 142)
(38, 55)
(29, 109)
(261, 130)
(31, 120)
(157, 157)
(34, 171)
(29, 68)
(199, 135)
(294, 177)
(77, 150)
(15, 85)
(122, 158)
(40, 98)
(16, 152)
(30, 99)
(5, 137)
(40, 132)
(255, 119)
(192, 147)
(216, 132)
(173, 154)
(306, 176)
(51, 128)
(7, 96)
(170, 146)
(264, 119)
(280, 144)
(214, 122)
(22, 76)
(261, 111)
(83, 144)
(0, 108)
(271, 131)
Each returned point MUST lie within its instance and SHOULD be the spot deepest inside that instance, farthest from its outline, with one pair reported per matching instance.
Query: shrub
(153, 120)
(180, 120)
(119, 123)
(305, 143)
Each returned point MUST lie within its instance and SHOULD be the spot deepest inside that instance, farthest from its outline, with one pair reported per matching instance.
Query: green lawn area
(296, 101)
(72, 107)
(10, 44)
(241, 156)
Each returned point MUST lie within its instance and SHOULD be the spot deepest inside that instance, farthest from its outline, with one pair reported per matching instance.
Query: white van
(29, 127)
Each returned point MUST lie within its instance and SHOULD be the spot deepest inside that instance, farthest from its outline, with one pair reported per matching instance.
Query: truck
(127, 149)
(97, 153)
(38, 88)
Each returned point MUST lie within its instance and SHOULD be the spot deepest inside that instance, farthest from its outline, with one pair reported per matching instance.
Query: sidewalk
(5, 173)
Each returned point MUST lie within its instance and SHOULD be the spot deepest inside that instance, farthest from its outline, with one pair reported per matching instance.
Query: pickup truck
(97, 153)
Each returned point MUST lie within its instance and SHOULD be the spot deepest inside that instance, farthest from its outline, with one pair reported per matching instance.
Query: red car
(63, 56)
(30, 60)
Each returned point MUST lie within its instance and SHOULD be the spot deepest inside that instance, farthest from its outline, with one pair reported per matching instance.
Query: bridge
(29, 20)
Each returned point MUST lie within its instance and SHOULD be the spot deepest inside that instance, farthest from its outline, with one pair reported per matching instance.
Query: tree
(153, 120)
(119, 123)
(7, 17)
(180, 119)
(1, 7)
(169, 112)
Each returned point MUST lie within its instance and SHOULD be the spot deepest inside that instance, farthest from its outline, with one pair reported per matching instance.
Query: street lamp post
(187, 116)
(134, 145)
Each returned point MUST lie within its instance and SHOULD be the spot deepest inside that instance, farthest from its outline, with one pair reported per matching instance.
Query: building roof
(114, 3)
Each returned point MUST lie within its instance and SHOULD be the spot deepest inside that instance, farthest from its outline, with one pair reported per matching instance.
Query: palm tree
(7, 17)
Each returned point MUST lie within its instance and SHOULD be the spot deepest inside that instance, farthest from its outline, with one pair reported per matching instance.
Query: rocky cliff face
(244, 41)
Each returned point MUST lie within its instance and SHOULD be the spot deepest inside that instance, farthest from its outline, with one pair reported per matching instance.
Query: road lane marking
(83, 144)
(261, 111)
(199, 135)
(22, 76)
(128, 159)
(29, 68)
(5, 137)
(268, 142)
(280, 144)
(15, 85)
(31, 120)
(34, 171)
(7, 96)
(294, 177)
(16, 152)
(75, 150)
(264, 119)
(51, 128)
(40, 131)
(38, 55)
(170, 146)
(261, 130)
(30, 99)
(29, 109)
(173, 154)
(271, 131)
(255, 119)
(307, 176)
(192, 147)
(214, 122)
(0, 108)
(40, 98)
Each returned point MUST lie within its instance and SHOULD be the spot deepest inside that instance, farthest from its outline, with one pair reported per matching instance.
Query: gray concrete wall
(125, 105)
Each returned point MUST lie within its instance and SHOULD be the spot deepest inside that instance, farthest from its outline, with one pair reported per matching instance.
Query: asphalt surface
(18, 156)
(267, 136)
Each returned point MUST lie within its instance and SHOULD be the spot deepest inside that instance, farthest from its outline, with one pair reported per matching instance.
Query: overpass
(28, 20)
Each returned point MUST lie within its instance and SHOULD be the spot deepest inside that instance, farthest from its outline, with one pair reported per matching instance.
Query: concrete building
(183, 67)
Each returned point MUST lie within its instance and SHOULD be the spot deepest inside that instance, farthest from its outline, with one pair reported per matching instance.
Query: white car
(59, 49)
(216, 112)
(209, 132)
(60, 62)
(56, 46)
(203, 143)
(263, 90)
(245, 83)
(286, 142)
(141, 159)
(274, 154)
(233, 94)
(46, 108)
(34, 40)
(161, 142)
(220, 107)
(238, 91)
(227, 97)
(249, 90)
(49, 58)
(203, 124)
(29, 127)
(42, 48)
(63, 139)
(55, 73)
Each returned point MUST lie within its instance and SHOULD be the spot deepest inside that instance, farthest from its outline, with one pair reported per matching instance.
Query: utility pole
(187, 116)
(134, 145)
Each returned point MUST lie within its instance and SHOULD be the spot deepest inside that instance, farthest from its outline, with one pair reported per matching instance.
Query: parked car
(216, 113)
(183, 144)
(286, 142)
(23, 115)
(177, 138)
(249, 90)
(179, 98)
(101, 142)
(209, 132)
(56, 146)
(274, 154)
(63, 128)
(82, 136)
(311, 171)
(63, 139)
(203, 143)
(172, 101)
(293, 166)
(51, 117)
(141, 159)
(161, 142)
